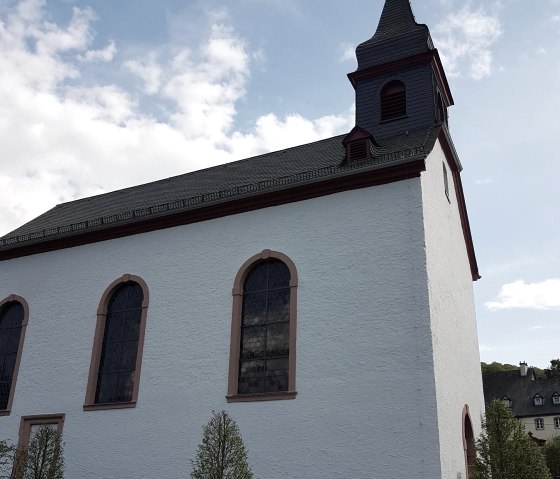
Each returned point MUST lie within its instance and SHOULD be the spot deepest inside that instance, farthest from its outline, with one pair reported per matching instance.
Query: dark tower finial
(396, 16)
(397, 35)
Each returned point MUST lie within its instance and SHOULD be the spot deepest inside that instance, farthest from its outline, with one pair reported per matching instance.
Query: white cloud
(483, 181)
(520, 295)
(104, 55)
(556, 18)
(348, 52)
(464, 40)
(62, 140)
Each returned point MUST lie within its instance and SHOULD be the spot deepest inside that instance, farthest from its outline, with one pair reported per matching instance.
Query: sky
(97, 95)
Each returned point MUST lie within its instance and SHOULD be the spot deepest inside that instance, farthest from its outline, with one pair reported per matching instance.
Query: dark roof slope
(521, 390)
(278, 170)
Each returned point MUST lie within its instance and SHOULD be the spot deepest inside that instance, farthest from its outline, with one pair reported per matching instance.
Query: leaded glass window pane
(11, 321)
(265, 326)
(117, 364)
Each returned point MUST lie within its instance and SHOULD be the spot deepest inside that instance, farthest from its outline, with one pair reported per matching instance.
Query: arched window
(13, 321)
(119, 339)
(468, 443)
(393, 100)
(262, 358)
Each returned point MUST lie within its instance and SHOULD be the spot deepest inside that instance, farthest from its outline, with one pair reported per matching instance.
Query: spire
(397, 18)
(397, 35)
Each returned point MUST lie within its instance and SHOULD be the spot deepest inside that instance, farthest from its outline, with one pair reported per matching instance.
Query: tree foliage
(504, 450)
(43, 458)
(553, 372)
(222, 454)
(497, 367)
(551, 452)
(6, 459)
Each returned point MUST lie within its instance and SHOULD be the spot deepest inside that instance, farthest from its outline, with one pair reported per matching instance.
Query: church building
(321, 295)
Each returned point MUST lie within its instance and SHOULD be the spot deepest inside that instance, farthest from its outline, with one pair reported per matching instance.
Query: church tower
(400, 82)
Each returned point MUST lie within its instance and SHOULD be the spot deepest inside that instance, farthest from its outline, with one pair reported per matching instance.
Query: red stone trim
(431, 57)
(237, 293)
(355, 180)
(454, 164)
(89, 403)
(20, 300)
(28, 421)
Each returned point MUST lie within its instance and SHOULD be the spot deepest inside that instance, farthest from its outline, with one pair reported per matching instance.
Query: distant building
(535, 402)
(129, 316)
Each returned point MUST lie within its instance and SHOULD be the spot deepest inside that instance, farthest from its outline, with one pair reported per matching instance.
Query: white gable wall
(366, 393)
(455, 340)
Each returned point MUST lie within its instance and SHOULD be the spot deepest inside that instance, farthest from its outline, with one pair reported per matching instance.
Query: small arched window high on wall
(13, 321)
(118, 344)
(393, 100)
(262, 358)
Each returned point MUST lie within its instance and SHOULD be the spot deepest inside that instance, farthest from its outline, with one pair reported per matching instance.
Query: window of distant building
(263, 347)
(118, 344)
(393, 100)
(539, 424)
(556, 399)
(557, 423)
(14, 313)
(538, 400)
(507, 401)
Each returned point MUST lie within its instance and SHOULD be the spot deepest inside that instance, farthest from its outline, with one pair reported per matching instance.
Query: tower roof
(397, 36)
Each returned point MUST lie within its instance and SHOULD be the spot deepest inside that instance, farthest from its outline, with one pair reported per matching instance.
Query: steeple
(397, 35)
(400, 83)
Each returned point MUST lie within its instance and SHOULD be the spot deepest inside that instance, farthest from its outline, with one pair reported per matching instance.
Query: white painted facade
(386, 340)
(550, 430)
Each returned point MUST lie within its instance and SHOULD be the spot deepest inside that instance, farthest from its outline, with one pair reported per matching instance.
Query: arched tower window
(118, 344)
(13, 321)
(393, 100)
(262, 358)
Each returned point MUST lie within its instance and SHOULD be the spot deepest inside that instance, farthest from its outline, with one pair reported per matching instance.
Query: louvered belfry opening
(393, 100)
(358, 150)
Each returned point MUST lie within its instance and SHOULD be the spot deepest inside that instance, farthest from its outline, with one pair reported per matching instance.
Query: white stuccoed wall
(455, 340)
(366, 404)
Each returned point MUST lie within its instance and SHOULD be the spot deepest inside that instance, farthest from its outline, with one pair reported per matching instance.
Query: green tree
(43, 458)
(496, 367)
(551, 452)
(222, 454)
(6, 459)
(504, 450)
(553, 372)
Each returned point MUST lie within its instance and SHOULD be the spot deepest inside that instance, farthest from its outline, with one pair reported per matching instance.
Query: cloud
(465, 38)
(104, 55)
(520, 295)
(64, 137)
(348, 52)
(483, 181)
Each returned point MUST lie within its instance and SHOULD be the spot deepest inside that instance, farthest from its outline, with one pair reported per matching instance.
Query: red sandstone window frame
(468, 442)
(38, 420)
(23, 302)
(90, 403)
(235, 344)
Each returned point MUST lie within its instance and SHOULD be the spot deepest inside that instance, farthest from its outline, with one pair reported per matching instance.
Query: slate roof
(521, 390)
(274, 171)
(397, 36)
